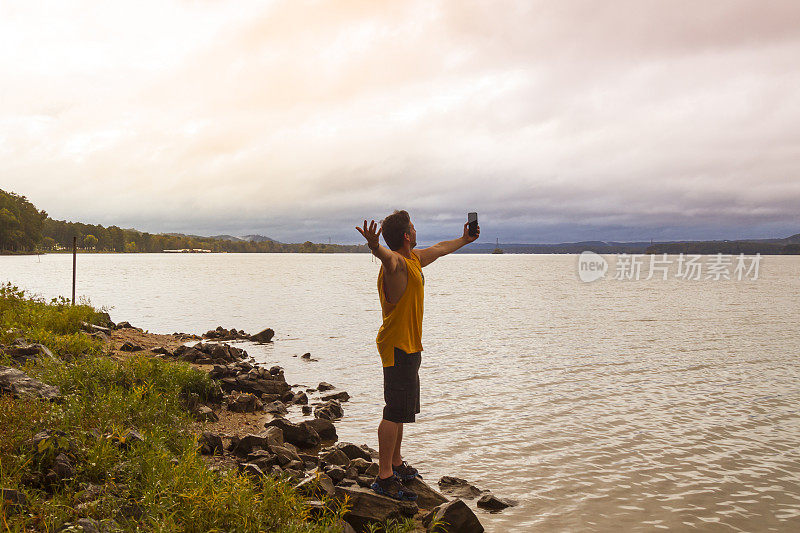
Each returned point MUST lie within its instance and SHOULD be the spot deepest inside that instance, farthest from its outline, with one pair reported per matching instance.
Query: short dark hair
(394, 227)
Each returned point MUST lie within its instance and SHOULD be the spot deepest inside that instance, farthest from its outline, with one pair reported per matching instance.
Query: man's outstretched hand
(371, 235)
(467, 237)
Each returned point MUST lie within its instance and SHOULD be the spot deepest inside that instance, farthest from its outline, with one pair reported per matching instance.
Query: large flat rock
(427, 498)
(19, 384)
(367, 507)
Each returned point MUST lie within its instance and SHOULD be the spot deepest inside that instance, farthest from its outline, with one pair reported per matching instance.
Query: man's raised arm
(431, 254)
(388, 258)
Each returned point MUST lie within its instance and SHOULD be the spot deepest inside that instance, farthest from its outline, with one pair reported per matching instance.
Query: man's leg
(397, 458)
(387, 439)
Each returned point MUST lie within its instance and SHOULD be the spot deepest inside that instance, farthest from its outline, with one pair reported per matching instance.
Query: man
(401, 293)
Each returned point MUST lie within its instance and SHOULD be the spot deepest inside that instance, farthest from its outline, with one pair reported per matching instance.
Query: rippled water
(605, 406)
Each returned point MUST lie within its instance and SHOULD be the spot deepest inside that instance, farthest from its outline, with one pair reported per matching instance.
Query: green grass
(160, 484)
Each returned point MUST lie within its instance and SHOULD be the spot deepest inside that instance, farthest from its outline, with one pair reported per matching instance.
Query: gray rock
(263, 336)
(341, 396)
(301, 435)
(251, 470)
(336, 473)
(460, 488)
(317, 485)
(244, 403)
(203, 413)
(210, 443)
(371, 508)
(19, 384)
(458, 517)
(324, 428)
(427, 498)
(353, 452)
(251, 442)
(21, 351)
(300, 398)
(491, 502)
(263, 459)
(276, 407)
(285, 455)
(360, 465)
(336, 457)
(128, 346)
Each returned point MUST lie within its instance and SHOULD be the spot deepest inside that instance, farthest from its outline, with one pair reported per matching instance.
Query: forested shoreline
(26, 229)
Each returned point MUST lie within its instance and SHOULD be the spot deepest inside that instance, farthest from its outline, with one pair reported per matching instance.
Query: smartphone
(472, 218)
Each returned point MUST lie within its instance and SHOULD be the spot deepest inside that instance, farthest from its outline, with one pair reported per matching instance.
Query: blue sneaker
(392, 488)
(405, 471)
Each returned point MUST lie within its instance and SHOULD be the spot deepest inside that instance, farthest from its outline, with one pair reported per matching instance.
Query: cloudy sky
(556, 121)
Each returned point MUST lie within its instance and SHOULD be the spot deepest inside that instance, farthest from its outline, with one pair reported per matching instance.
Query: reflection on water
(600, 407)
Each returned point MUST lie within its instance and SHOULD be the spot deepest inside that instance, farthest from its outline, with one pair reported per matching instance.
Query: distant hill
(258, 238)
(788, 245)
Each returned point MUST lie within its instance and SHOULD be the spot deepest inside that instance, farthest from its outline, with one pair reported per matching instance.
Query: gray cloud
(556, 121)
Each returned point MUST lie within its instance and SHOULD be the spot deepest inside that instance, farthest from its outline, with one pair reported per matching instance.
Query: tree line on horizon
(24, 228)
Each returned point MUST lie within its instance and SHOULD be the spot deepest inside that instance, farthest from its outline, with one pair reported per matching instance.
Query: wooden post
(74, 255)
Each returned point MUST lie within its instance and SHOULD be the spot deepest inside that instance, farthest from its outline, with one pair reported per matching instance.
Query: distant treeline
(781, 247)
(23, 228)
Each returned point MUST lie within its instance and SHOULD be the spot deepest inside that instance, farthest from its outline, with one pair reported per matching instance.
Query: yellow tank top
(402, 324)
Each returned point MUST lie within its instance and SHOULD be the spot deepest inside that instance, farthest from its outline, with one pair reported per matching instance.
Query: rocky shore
(256, 423)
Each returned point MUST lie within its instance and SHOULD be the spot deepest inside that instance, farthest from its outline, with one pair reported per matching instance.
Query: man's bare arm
(431, 254)
(389, 259)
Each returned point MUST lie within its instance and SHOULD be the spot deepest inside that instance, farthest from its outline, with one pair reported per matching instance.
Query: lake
(606, 406)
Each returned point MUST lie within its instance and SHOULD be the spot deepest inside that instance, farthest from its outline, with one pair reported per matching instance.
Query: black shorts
(401, 387)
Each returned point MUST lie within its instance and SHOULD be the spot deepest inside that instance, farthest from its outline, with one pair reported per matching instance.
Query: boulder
(353, 452)
(306, 355)
(324, 428)
(458, 517)
(335, 457)
(256, 385)
(263, 459)
(161, 350)
(300, 398)
(21, 352)
(276, 407)
(128, 346)
(210, 443)
(316, 485)
(307, 410)
(285, 455)
(19, 384)
(460, 488)
(427, 498)
(341, 396)
(368, 508)
(324, 385)
(336, 473)
(244, 403)
(124, 325)
(251, 470)
(203, 413)
(491, 502)
(263, 336)
(361, 465)
(251, 442)
(302, 435)
(330, 410)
